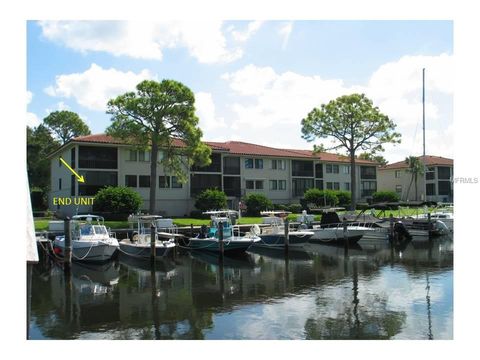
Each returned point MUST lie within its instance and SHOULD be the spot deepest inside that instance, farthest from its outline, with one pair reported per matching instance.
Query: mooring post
(153, 233)
(429, 217)
(287, 236)
(345, 234)
(67, 254)
(220, 239)
(391, 227)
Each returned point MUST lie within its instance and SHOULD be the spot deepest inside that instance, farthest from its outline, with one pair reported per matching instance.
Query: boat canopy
(88, 217)
(280, 213)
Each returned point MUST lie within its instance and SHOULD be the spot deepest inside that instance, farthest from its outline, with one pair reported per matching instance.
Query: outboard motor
(401, 232)
(440, 227)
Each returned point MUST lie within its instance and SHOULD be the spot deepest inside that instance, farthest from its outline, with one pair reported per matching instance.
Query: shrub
(256, 203)
(321, 197)
(121, 200)
(38, 199)
(295, 208)
(281, 207)
(344, 198)
(211, 199)
(385, 196)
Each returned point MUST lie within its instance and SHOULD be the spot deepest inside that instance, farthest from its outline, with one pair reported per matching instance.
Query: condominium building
(237, 168)
(436, 181)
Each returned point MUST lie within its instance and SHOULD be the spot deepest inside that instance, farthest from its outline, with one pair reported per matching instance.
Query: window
(431, 190)
(231, 165)
(72, 185)
(232, 185)
(319, 171)
(398, 174)
(259, 184)
(132, 155)
(215, 165)
(443, 173)
(302, 168)
(248, 163)
(175, 183)
(131, 181)
(249, 184)
(273, 185)
(398, 189)
(444, 187)
(95, 180)
(319, 184)
(144, 156)
(333, 186)
(278, 165)
(60, 184)
(368, 172)
(97, 157)
(430, 173)
(258, 163)
(346, 169)
(347, 186)
(368, 188)
(72, 158)
(299, 186)
(164, 182)
(332, 169)
(200, 182)
(144, 181)
(282, 184)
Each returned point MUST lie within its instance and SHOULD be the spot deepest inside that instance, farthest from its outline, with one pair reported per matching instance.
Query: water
(374, 292)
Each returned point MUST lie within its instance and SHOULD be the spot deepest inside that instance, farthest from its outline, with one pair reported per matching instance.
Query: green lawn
(41, 224)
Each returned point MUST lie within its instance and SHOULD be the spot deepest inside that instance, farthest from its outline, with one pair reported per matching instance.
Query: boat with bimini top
(209, 237)
(91, 240)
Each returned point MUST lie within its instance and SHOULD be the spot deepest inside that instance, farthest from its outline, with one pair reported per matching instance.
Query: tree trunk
(416, 193)
(153, 175)
(409, 187)
(353, 179)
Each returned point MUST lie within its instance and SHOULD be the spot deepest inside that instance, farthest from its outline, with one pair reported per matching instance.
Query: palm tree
(415, 168)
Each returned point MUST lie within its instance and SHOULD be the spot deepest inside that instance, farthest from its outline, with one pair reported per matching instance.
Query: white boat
(140, 244)
(332, 230)
(441, 215)
(91, 240)
(273, 236)
(208, 239)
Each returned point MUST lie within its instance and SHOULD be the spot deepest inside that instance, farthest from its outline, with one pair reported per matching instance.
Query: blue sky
(254, 81)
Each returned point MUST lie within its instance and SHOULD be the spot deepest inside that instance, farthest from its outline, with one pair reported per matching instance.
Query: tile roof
(238, 148)
(429, 161)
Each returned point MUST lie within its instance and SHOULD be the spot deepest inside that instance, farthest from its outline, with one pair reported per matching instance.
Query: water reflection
(371, 291)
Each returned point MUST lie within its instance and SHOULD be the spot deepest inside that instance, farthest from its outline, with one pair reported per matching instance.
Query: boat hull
(213, 245)
(143, 251)
(278, 240)
(88, 251)
(336, 235)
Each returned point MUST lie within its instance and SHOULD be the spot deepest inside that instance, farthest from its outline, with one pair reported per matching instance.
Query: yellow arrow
(80, 178)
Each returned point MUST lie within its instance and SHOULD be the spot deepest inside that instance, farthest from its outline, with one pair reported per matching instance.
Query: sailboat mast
(424, 158)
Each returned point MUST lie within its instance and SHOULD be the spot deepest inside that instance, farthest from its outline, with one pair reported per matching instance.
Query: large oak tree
(351, 122)
(160, 116)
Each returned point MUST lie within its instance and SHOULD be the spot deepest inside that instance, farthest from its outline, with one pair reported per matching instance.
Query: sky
(254, 81)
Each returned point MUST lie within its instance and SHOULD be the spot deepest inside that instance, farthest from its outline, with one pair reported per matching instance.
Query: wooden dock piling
(391, 234)
(220, 239)
(153, 233)
(287, 236)
(345, 234)
(67, 255)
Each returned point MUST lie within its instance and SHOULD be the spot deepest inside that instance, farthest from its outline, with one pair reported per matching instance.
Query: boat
(274, 234)
(140, 244)
(332, 230)
(91, 240)
(439, 216)
(209, 239)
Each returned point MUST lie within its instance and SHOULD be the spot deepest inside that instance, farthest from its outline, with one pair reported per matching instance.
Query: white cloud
(205, 110)
(144, 40)
(243, 36)
(32, 119)
(284, 33)
(266, 99)
(95, 86)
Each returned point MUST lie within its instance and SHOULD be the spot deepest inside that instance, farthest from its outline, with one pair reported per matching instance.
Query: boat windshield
(100, 230)
(86, 229)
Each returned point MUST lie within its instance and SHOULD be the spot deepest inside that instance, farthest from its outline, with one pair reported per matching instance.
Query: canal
(372, 292)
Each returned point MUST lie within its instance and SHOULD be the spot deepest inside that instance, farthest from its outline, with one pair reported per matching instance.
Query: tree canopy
(351, 122)
(377, 158)
(160, 116)
(65, 125)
